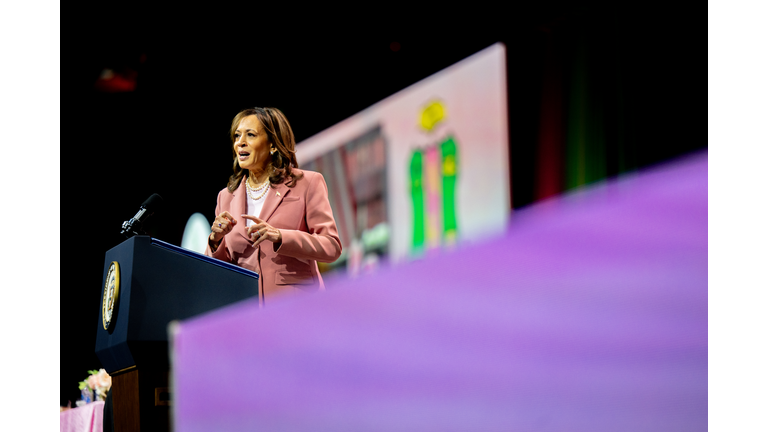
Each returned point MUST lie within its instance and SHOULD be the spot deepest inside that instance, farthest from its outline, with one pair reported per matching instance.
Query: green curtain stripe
(576, 135)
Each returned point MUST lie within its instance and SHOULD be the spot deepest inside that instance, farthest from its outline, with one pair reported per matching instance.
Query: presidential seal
(111, 294)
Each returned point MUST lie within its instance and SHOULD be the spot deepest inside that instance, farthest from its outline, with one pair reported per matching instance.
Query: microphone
(132, 226)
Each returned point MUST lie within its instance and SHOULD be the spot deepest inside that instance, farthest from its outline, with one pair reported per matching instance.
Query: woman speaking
(273, 218)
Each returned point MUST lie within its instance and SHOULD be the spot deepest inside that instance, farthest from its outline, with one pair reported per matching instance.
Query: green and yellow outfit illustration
(433, 185)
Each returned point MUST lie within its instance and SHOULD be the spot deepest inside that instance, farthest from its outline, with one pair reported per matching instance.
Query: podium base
(140, 400)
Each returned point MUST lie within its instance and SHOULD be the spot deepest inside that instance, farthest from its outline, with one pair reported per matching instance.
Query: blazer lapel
(239, 207)
(274, 198)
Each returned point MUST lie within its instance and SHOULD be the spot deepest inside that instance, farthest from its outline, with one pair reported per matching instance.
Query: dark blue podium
(152, 283)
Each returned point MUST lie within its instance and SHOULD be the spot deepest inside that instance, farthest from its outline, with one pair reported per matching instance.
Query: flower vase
(86, 395)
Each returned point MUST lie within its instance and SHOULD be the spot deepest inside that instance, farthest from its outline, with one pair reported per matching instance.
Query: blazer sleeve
(222, 253)
(321, 241)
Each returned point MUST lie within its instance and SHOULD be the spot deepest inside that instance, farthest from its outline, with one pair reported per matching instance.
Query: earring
(272, 151)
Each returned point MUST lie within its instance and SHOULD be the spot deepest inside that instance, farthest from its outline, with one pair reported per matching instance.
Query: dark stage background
(169, 134)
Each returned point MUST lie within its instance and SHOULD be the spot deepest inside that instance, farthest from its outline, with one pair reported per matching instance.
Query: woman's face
(252, 144)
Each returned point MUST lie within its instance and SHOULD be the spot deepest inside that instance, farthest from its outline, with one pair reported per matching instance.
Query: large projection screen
(423, 170)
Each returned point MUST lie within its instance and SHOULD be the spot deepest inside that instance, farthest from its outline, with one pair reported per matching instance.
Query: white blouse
(254, 206)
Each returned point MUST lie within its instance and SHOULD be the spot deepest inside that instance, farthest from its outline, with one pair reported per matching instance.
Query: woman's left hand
(261, 231)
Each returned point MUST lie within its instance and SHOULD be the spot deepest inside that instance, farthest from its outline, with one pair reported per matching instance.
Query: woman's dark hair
(281, 162)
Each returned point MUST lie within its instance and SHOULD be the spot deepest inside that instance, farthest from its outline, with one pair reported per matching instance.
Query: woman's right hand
(222, 225)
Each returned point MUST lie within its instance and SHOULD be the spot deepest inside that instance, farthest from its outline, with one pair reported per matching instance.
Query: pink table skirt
(88, 418)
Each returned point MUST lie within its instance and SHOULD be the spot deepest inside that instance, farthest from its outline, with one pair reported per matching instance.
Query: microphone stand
(133, 226)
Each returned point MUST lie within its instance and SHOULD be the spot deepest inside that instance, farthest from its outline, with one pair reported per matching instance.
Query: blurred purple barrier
(590, 314)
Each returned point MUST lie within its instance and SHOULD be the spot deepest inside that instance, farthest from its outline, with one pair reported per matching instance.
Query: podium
(148, 284)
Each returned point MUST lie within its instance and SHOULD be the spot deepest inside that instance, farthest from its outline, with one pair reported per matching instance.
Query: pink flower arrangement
(97, 384)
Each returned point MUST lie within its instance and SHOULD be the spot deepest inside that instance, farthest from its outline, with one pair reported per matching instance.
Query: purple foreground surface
(589, 314)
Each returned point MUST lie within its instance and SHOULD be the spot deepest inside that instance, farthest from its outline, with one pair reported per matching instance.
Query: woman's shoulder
(303, 174)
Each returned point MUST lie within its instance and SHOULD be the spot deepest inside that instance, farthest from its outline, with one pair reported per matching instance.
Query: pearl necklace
(258, 187)
(264, 187)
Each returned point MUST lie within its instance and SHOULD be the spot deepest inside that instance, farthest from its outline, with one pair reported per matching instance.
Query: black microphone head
(153, 203)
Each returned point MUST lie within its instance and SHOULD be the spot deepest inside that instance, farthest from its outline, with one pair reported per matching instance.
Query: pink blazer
(304, 217)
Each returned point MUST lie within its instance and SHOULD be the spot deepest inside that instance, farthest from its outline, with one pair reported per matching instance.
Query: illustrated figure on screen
(433, 175)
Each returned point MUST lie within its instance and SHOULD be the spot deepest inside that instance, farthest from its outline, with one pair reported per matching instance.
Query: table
(87, 418)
